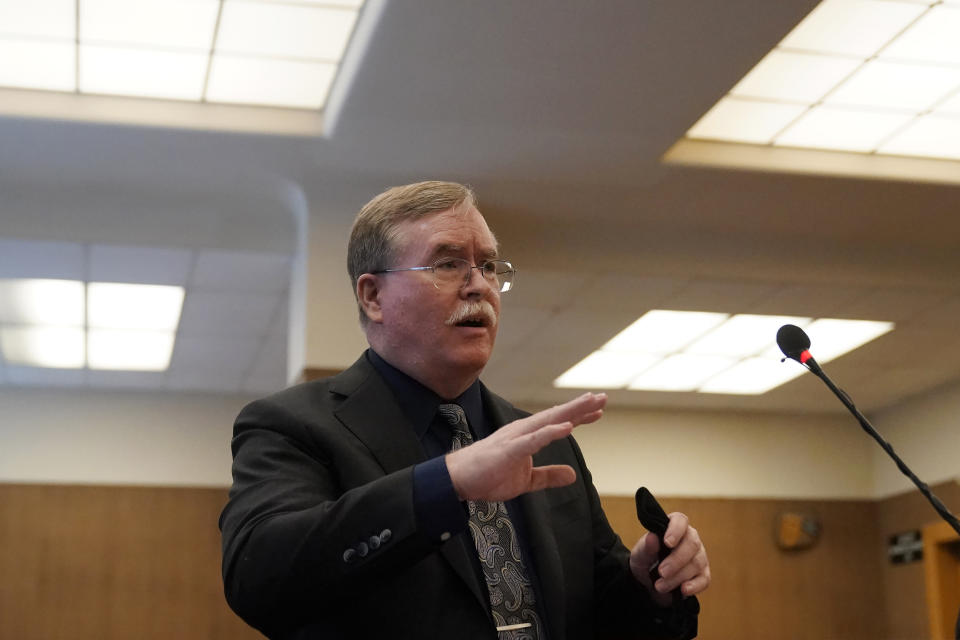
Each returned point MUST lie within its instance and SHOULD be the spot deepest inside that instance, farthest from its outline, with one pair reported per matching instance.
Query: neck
(446, 384)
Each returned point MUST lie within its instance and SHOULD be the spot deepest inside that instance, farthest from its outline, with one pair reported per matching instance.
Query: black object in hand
(654, 519)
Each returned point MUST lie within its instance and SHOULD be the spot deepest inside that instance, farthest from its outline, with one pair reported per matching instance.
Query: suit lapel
(370, 411)
(541, 541)
(372, 414)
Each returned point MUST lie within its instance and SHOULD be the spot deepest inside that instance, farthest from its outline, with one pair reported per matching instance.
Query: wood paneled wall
(105, 563)
(828, 592)
(904, 595)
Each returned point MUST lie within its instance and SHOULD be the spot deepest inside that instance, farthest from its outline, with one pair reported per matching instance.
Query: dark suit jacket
(323, 466)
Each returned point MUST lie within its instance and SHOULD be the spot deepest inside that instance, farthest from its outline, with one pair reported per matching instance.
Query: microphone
(795, 344)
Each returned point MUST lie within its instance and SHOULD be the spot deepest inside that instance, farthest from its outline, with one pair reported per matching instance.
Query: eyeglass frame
(479, 267)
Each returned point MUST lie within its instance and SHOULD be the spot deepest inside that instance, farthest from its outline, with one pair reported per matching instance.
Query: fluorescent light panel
(254, 52)
(711, 352)
(39, 346)
(63, 324)
(42, 302)
(112, 349)
(857, 76)
(112, 305)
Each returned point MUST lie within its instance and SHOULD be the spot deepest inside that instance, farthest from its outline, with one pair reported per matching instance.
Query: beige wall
(925, 433)
(182, 439)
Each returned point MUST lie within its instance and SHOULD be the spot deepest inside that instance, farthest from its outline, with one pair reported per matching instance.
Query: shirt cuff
(440, 514)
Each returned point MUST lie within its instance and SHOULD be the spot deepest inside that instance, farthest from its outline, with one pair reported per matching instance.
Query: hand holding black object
(654, 519)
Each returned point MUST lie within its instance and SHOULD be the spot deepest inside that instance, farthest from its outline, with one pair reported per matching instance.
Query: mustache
(474, 309)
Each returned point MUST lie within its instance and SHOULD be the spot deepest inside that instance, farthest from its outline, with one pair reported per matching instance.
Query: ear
(368, 295)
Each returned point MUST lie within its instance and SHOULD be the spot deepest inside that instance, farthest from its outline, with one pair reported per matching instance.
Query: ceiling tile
(636, 294)
(894, 305)
(517, 325)
(141, 265)
(125, 379)
(34, 259)
(208, 313)
(42, 377)
(544, 289)
(200, 381)
(722, 296)
(213, 354)
(941, 316)
(811, 301)
(243, 271)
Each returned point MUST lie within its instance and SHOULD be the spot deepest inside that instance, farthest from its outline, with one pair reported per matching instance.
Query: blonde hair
(371, 247)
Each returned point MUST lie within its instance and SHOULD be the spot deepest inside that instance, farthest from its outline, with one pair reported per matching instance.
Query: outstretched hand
(500, 466)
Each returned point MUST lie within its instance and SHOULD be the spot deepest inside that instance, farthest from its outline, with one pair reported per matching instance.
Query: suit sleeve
(295, 539)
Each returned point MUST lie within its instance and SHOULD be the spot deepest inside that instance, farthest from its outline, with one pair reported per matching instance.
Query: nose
(475, 283)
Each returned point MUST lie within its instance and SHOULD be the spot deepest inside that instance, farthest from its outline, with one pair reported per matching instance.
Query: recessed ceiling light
(932, 38)
(743, 335)
(39, 18)
(830, 338)
(739, 120)
(605, 370)
(267, 53)
(112, 305)
(794, 77)
(295, 31)
(857, 28)
(663, 332)
(860, 76)
(896, 85)
(842, 129)
(108, 326)
(284, 83)
(754, 376)
(680, 372)
(50, 347)
(736, 354)
(182, 24)
(129, 350)
(41, 302)
(40, 64)
(931, 136)
(142, 72)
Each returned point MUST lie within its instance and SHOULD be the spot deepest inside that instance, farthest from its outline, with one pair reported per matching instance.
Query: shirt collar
(419, 404)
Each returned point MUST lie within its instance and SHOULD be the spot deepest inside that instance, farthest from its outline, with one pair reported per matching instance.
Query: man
(402, 499)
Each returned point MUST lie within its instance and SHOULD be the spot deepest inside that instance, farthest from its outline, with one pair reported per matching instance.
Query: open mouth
(472, 322)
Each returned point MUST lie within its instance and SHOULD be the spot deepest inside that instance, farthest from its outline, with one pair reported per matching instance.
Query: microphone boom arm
(921, 485)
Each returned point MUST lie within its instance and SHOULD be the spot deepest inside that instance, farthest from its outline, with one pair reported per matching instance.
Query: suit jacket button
(363, 549)
(349, 555)
(374, 542)
(385, 536)
(444, 536)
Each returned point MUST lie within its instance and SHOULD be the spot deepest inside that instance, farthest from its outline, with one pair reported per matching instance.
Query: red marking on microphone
(804, 356)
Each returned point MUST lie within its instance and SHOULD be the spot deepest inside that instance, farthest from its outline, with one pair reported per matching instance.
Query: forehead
(452, 230)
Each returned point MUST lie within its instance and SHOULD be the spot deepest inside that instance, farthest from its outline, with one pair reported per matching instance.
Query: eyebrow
(447, 249)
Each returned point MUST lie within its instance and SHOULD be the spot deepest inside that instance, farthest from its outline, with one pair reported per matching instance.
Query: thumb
(643, 555)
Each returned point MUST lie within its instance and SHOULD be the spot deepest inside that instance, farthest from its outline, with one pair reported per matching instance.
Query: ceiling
(558, 114)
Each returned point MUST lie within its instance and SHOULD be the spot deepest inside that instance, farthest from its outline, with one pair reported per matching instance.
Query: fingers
(679, 523)
(551, 476)
(531, 443)
(687, 566)
(581, 410)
